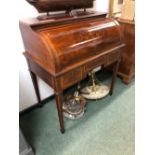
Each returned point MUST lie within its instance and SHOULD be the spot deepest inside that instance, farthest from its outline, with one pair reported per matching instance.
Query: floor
(107, 128)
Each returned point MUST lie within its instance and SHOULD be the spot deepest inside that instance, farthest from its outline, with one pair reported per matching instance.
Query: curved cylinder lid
(79, 41)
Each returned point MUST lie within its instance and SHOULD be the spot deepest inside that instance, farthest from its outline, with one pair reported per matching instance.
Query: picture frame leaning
(115, 7)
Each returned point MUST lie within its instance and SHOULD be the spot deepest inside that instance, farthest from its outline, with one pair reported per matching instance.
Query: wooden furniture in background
(127, 64)
(125, 9)
(60, 5)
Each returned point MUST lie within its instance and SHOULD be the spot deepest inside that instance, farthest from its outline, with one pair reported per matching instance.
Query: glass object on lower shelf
(74, 106)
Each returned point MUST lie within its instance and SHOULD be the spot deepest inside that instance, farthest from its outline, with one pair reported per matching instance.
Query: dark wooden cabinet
(58, 5)
(127, 64)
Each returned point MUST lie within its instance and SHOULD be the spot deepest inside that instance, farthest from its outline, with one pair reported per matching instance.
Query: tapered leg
(58, 97)
(36, 88)
(115, 69)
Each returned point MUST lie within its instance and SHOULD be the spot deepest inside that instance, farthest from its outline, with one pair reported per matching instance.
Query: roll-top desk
(61, 49)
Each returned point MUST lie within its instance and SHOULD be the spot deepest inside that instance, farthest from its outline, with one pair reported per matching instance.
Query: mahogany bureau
(62, 49)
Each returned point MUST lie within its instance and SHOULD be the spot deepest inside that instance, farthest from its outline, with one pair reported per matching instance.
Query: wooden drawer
(98, 62)
(112, 57)
(71, 77)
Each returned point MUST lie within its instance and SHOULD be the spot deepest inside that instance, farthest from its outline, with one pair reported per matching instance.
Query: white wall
(101, 5)
(27, 95)
(26, 91)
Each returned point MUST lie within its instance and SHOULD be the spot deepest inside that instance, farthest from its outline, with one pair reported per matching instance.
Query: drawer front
(112, 57)
(95, 63)
(71, 77)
